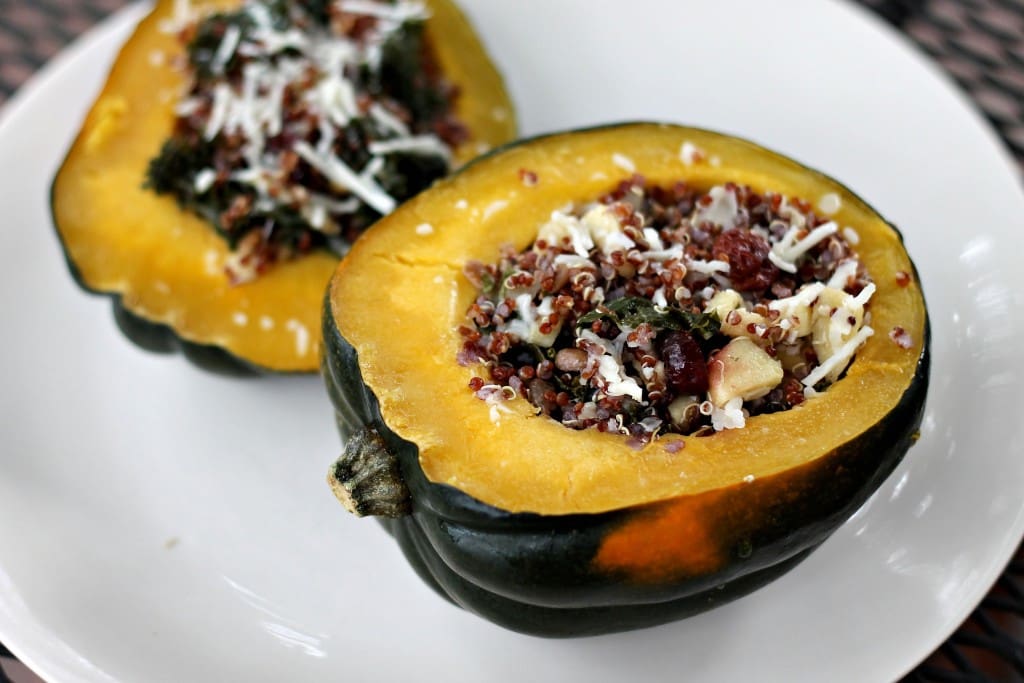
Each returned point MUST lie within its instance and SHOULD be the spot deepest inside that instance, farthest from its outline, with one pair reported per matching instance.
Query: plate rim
(33, 655)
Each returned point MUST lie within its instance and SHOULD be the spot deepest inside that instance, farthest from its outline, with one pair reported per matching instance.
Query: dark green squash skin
(535, 574)
(157, 337)
(160, 338)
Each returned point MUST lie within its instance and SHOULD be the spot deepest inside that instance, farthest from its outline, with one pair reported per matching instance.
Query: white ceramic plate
(161, 524)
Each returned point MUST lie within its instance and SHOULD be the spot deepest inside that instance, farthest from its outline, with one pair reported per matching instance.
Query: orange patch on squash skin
(693, 536)
(666, 541)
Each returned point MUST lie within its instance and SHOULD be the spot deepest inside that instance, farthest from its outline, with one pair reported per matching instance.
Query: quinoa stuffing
(661, 309)
(303, 122)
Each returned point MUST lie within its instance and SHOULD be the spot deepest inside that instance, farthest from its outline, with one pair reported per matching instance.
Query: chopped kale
(632, 311)
(173, 170)
(705, 325)
(402, 75)
(406, 175)
(209, 35)
(406, 80)
(318, 10)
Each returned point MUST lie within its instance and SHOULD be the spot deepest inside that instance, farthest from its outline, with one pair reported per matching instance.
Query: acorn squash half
(163, 266)
(558, 532)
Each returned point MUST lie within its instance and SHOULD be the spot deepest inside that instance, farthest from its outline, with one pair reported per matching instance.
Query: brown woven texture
(32, 31)
(979, 42)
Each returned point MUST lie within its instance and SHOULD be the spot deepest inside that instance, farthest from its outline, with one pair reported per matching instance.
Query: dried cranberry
(685, 369)
(747, 254)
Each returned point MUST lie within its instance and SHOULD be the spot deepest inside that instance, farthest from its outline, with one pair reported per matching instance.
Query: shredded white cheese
(218, 110)
(781, 263)
(301, 336)
(616, 382)
(690, 154)
(653, 239)
(675, 252)
(226, 49)
(829, 203)
(388, 120)
(844, 272)
(599, 227)
(786, 251)
(336, 171)
(253, 106)
(729, 416)
(707, 267)
(723, 209)
(398, 13)
(527, 325)
(799, 302)
(605, 230)
(842, 357)
(865, 294)
(624, 162)
(418, 144)
(494, 207)
(765, 344)
(182, 14)
(659, 298)
(204, 180)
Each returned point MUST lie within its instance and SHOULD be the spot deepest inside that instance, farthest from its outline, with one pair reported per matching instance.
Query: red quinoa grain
(606, 319)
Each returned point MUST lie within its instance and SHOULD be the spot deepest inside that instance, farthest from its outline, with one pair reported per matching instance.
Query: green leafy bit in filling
(303, 123)
(633, 311)
(669, 309)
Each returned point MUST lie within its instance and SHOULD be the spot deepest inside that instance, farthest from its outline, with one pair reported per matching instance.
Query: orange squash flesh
(556, 532)
(406, 335)
(167, 265)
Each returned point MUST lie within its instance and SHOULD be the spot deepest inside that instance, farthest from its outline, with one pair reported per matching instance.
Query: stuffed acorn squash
(693, 361)
(238, 148)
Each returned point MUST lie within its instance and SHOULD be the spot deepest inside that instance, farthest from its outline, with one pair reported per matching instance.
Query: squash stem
(367, 479)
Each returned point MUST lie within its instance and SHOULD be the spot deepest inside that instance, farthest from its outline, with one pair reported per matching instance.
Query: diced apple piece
(790, 355)
(748, 325)
(723, 302)
(684, 411)
(742, 369)
(742, 323)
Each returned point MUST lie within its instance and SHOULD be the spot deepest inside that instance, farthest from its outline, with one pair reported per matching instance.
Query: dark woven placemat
(32, 31)
(979, 42)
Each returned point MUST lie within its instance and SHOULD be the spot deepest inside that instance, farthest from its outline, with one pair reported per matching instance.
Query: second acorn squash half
(164, 266)
(554, 531)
